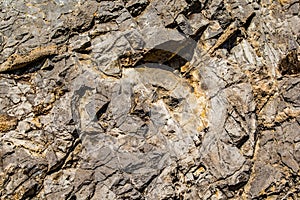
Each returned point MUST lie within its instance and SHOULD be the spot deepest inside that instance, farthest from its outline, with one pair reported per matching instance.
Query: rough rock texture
(127, 99)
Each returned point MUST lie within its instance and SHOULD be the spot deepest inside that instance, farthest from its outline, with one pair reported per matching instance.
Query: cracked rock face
(127, 99)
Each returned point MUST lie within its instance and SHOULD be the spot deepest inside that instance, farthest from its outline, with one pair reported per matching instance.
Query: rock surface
(126, 99)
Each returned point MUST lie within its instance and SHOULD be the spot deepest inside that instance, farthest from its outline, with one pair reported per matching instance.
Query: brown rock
(7, 122)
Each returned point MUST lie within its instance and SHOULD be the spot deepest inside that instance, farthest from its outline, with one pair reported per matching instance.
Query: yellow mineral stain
(7, 122)
(271, 198)
(36, 121)
(199, 171)
(285, 2)
(194, 81)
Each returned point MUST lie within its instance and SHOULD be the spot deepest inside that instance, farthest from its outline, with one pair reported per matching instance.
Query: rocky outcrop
(126, 99)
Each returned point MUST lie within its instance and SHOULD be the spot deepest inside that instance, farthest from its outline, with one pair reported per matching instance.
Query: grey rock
(149, 99)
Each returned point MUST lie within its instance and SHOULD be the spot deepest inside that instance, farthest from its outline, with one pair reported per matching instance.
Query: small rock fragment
(7, 122)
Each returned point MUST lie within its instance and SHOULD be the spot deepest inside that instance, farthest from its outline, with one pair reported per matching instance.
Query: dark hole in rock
(63, 73)
(199, 33)
(174, 54)
(32, 67)
(289, 64)
(249, 20)
(71, 122)
(84, 48)
(242, 179)
(194, 7)
(102, 110)
(31, 192)
(49, 67)
(141, 113)
(172, 25)
(242, 141)
(75, 134)
(172, 102)
(170, 56)
(73, 197)
(157, 56)
(138, 8)
(60, 32)
(231, 41)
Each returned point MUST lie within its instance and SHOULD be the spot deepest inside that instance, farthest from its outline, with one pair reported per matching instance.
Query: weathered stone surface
(129, 99)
